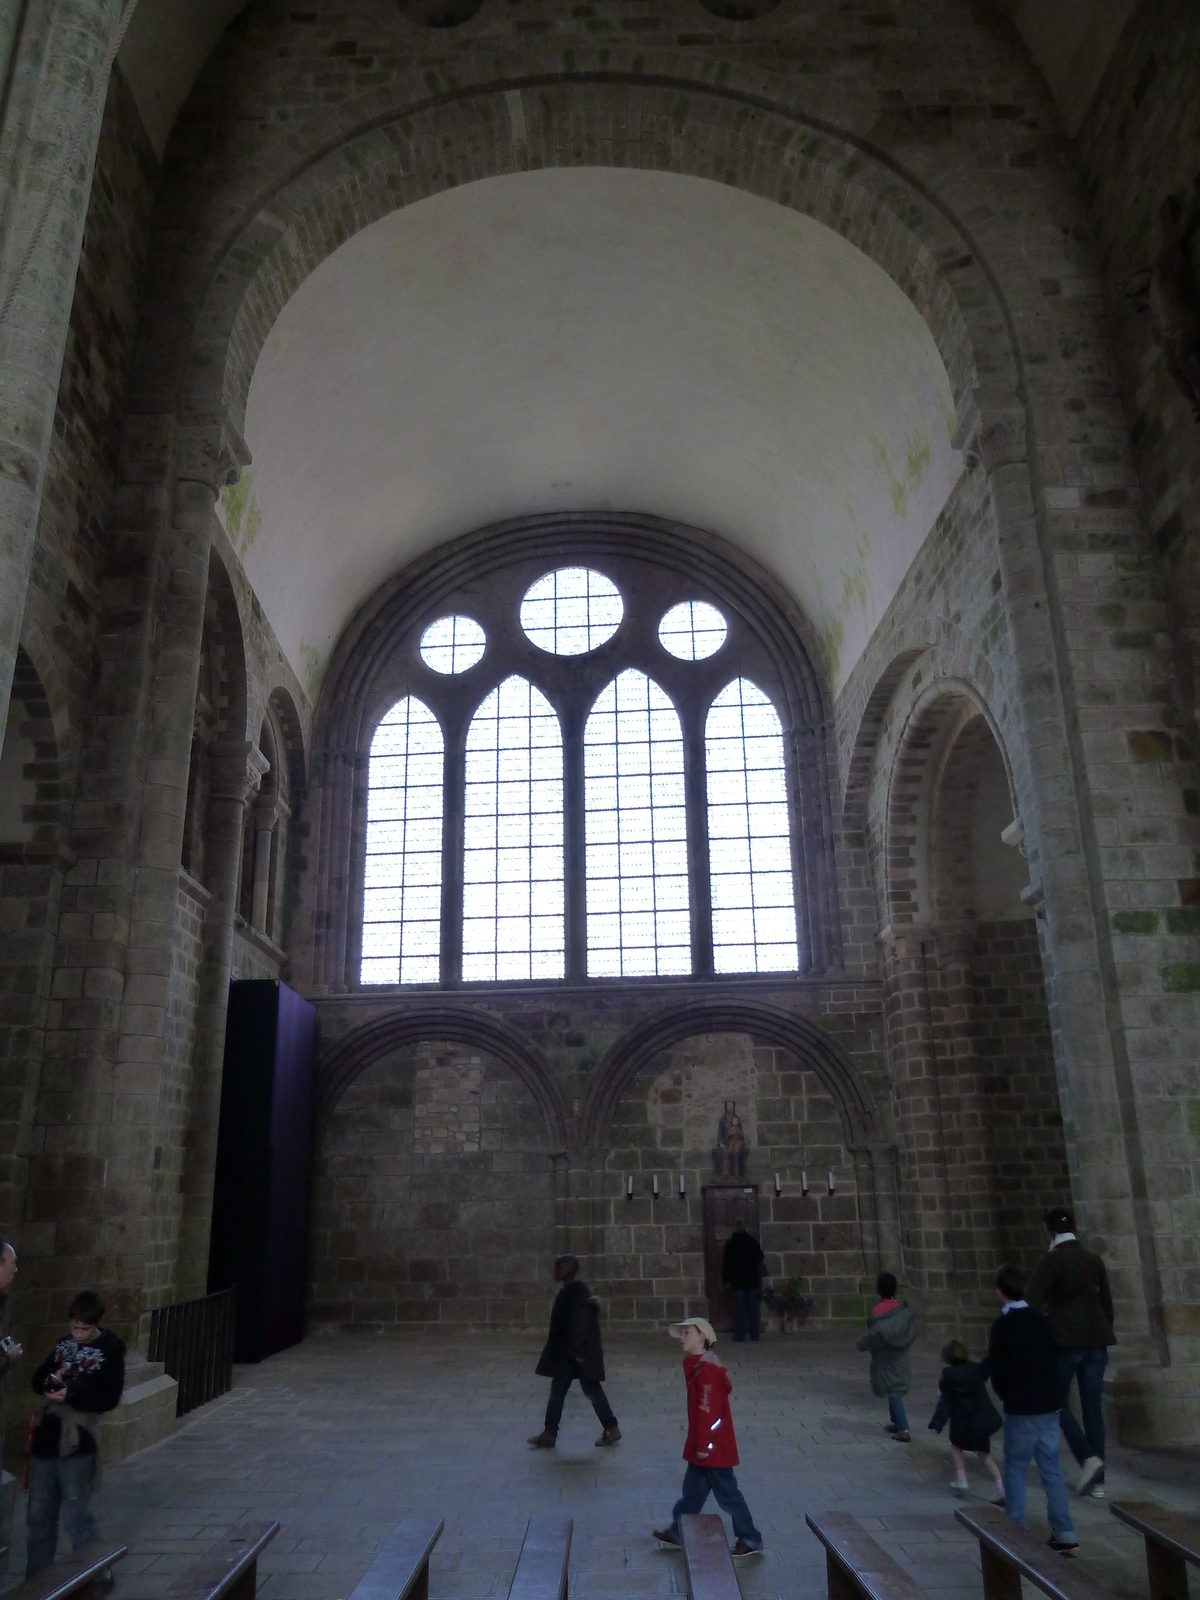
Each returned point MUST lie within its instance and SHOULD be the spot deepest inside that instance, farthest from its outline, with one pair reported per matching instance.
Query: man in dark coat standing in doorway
(741, 1268)
(573, 1351)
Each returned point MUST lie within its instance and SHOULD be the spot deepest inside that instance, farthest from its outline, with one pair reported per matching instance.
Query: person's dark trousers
(560, 1383)
(1085, 1363)
(60, 1483)
(745, 1311)
(699, 1483)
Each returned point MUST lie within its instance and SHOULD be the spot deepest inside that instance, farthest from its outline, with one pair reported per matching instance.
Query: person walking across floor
(572, 1351)
(741, 1271)
(710, 1449)
(963, 1402)
(891, 1329)
(1022, 1363)
(79, 1380)
(1070, 1285)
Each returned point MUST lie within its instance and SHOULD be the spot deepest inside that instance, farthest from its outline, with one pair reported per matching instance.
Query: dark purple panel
(291, 1172)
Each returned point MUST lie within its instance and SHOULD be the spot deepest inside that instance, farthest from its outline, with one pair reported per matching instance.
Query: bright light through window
(402, 896)
(513, 906)
(692, 630)
(571, 611)
(750, 863)
(452, 644)
(637, 881)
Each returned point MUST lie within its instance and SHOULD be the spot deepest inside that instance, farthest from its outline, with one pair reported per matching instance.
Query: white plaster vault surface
(593, 339)
(344, 1435)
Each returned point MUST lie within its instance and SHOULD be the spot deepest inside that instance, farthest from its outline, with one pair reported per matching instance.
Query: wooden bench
(228, 1569)
(542, 1566)
(74, 1577)
(856, 1566)
(400, 1571)
(710, 1574)
(1172, 1540)
(1009, 1553)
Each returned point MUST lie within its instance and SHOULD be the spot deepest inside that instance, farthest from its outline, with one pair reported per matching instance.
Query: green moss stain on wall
(241, 512)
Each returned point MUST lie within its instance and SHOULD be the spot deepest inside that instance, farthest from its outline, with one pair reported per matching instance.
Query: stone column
(237, 770)
(58, 76)
(266, 818)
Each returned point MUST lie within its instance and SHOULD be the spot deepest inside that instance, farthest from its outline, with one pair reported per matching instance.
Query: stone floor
(344, 1435)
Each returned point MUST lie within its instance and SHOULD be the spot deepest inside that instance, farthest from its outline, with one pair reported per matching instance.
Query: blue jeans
(745, 1309)
(1087, 1364)
(60, 1483)
(1029, 1439)
(897, 1412)
(698, 1483)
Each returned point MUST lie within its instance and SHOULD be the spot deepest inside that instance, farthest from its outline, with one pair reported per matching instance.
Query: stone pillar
(266, 817)
(58, 77)
(237, 770)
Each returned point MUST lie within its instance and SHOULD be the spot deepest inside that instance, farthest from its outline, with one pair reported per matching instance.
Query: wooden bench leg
(839, 1582)
(1000, 1581)
(1168, 1572)
(245, 1586)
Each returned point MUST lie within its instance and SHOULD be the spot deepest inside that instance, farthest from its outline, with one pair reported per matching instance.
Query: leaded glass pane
(452, 644)
(637, 889)
(402, 881)
(571, 611)
(754, 911)
(692, 630)
(513, 918)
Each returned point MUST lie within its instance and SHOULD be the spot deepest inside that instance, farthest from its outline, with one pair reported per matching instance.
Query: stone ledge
(146, 1412)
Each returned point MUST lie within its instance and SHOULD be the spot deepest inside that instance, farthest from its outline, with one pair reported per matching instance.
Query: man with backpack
(1070, 1285)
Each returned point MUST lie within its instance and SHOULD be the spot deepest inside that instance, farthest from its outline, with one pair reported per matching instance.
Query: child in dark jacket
(710, 1449)
(79, 1380)
(964, 1403)
(891, 1329)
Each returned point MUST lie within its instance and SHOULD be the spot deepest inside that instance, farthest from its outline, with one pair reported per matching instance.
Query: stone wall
(653, 1247)
(433, 1198)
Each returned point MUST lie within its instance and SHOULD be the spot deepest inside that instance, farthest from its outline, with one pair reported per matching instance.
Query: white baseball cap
(705, 1326)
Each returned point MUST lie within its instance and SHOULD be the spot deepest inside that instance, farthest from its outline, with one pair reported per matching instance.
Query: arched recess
(219, 725)
(635, 1050)
(458, 1024)
(967, 1025)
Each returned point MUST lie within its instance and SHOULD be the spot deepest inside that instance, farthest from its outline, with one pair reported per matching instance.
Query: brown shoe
(902, 1438)
(609, 1436)
(544, 1440)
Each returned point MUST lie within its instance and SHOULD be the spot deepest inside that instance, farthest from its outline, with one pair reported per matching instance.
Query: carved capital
(211, 451)
(991, 431)
(236, 771)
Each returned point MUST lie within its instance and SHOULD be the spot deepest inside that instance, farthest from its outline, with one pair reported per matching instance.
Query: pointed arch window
(402, 888)
(638, 919)
(513, 896)
(750, 861)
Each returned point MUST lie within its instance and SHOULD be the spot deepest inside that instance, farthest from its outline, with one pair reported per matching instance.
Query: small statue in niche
(1173, 293)
(729, 1158)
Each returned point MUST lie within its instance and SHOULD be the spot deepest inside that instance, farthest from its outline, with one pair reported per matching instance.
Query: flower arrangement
(784, 1300)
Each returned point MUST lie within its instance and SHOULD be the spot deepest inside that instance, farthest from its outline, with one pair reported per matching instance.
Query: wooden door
(724, 1203)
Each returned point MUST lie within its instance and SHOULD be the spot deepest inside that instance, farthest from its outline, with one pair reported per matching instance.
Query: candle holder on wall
(682, 1187)
(832, 1183)
(778, 1185)
(629, 1188)
(804, 1184)
(654, 1185)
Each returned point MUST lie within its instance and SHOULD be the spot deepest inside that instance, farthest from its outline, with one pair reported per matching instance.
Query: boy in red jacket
(711, 1449)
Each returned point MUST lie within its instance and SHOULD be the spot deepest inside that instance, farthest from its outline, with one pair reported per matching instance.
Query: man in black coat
(573, 1351)
(741, 1269)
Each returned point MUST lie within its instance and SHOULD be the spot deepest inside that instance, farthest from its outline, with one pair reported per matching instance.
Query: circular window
(692, 630)
(452, 644)
(571, 611)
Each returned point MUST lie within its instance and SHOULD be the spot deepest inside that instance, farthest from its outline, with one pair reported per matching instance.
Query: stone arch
(635, 1050)
(356, 1051)
(283, 706)
(31, 787)
(302, 214)
(931, 735)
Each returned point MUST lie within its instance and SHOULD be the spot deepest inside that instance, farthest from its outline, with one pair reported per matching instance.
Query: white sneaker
(958, 1487)
(1096, 1492)
(1088, 1473)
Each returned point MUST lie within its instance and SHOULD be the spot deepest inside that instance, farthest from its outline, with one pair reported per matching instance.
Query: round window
(452, 644)
(571, 611)
(692, 630)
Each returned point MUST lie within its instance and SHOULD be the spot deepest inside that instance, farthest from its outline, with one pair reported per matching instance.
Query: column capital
(236, 770)
(210, 450)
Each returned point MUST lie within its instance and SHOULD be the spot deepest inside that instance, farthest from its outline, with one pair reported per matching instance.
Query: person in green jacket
(1070, 1286)
(891, 1329)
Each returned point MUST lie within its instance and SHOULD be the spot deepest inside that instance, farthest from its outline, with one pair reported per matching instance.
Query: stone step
(146, 1412)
